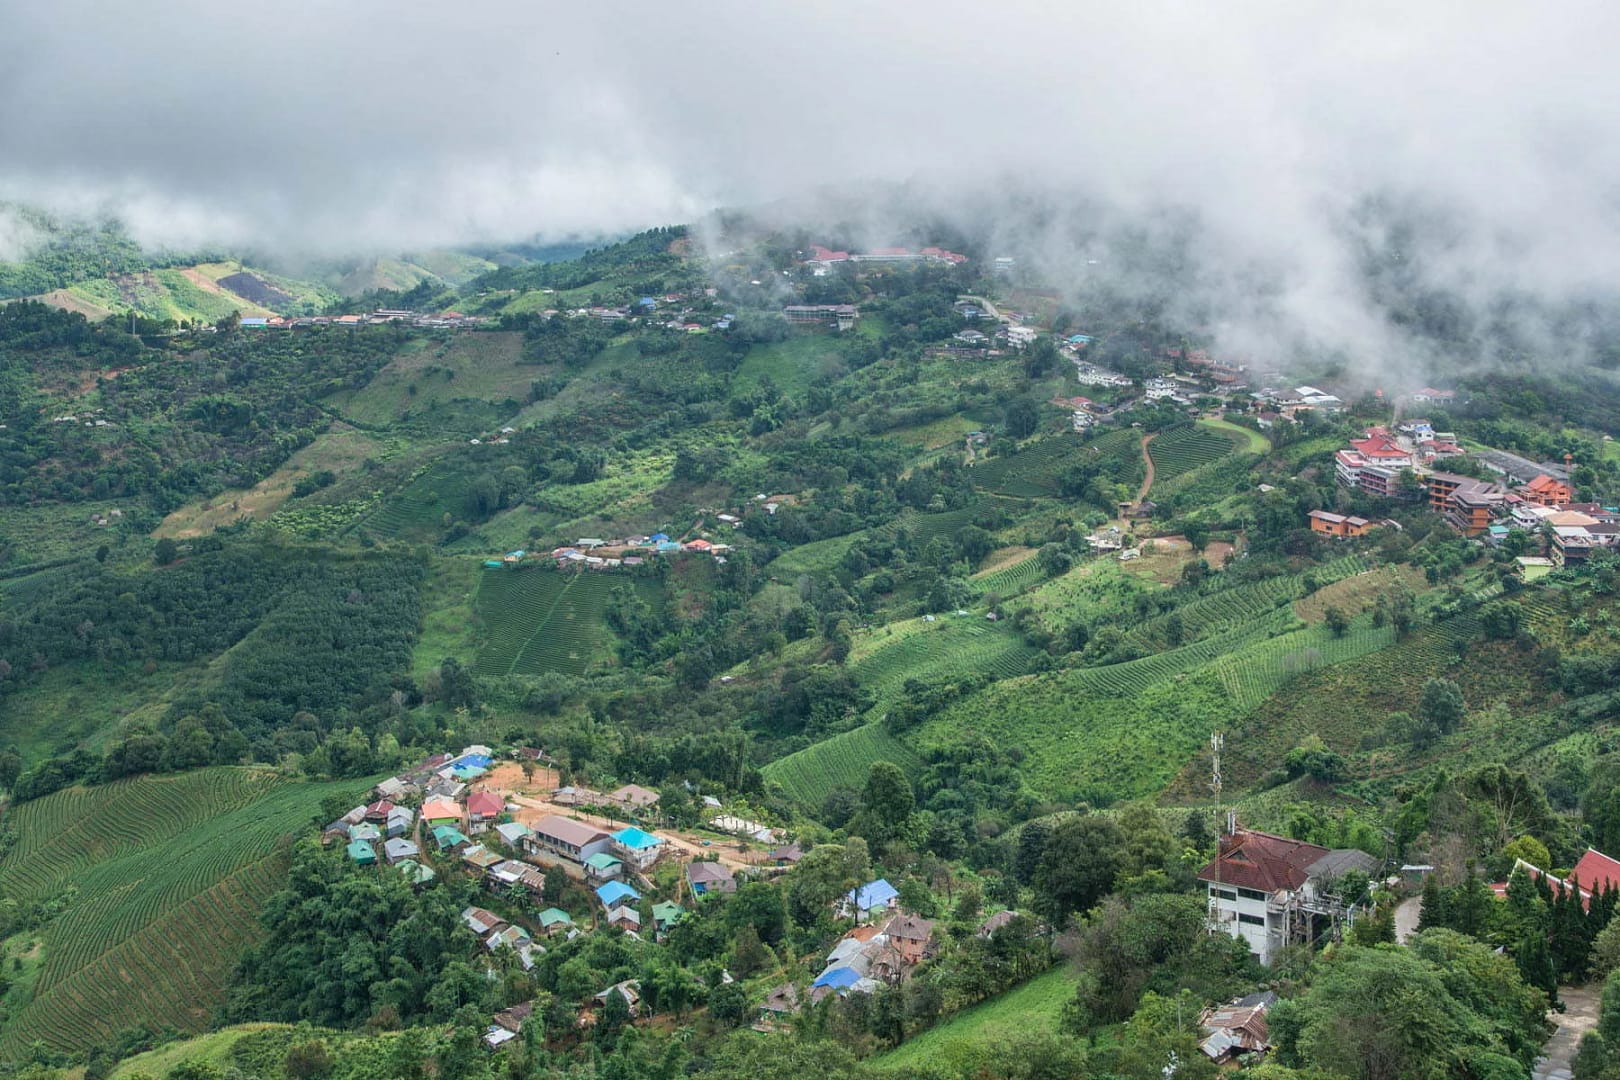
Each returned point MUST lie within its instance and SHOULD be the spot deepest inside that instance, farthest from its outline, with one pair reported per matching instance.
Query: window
(1225, 894)
(1252, 920)
(1251, 894)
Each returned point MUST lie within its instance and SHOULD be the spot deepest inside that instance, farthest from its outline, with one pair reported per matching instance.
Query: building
(637, 847)
(912, 936)
(1547, 490)
(710, 877)
(842, 316)
(1271, 892)
(574, 840)
(603, 867)
(1338, 526)
(399, 849)
(1468, 504)
(616, 894)
(483, 808)
(1237, 1028)
(1019, 337)
(634, 796)
(1431, 396)
(362, 853)
(874, 896)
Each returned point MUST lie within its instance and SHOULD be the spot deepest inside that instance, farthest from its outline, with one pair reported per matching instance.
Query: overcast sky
(322, 126)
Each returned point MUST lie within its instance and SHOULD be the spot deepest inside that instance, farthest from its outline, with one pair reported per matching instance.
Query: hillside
(158, 882)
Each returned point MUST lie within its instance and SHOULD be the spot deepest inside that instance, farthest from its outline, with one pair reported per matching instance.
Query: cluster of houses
(1537, 497)
(821, 259)
(681, 319)
(594, 553)
(447, 320)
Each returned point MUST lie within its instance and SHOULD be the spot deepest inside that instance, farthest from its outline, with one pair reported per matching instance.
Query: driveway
(1580, 1016)
(1407, 913)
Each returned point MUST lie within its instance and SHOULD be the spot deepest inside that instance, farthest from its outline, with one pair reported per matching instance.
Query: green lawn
(1255, 443)
(986, 1027)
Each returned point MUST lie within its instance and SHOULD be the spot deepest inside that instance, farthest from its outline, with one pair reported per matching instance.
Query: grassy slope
(430, 374)
(169, 873)
(213, 1049)
(1034, 1006)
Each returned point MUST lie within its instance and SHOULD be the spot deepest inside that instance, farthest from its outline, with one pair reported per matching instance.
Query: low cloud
(1280, 129)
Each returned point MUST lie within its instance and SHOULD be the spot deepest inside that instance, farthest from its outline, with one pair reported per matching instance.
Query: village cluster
(596, 553)
(445, 320)
(442, 817)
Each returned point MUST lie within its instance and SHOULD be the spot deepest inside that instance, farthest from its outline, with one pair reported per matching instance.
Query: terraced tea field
(169, 873)
(841, 761)
(1034, 472)
(1183, 449)
(541, 620)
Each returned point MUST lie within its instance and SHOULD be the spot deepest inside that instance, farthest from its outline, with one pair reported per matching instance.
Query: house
(519, 875)
(912, 936)
(513, 833)
(1271, 892)
(634, 796)
(1431, 396)
(448, 837)
(511, 937)
(362, 853)
(614, 893)
(1467, 504)
(378, 811)
(1547, 490)
(666, 915)
(481, 922)
(1593, 873)
(483, 807)
(1338, 526)
(508, 1025)
(1236, 1028)
(480, 858)
(399, 822)
(365, 832)
(414, 872)
(787, 856)
(738, 826)
(874, 896)
(637, 847)
(625, 918)
(571, 839)
(706, 878)
(397, 849)
(780, 1002)
(554, 921)
(392, 788)
(994, 923)
(630, 990)
(603, 867)
(441, 812)
(1019, 337)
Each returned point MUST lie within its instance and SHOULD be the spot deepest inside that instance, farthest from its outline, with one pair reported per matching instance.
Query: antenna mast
(1217, 743)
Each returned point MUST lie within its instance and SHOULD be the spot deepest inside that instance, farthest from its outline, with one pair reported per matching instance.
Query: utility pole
(1217, 742)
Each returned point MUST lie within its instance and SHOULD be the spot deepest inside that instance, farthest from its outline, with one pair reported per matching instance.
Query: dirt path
(1147, 484)
(1579, 1016)
(1407, 914)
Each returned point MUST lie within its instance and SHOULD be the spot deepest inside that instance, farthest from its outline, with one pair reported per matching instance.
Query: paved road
(1579, 1016)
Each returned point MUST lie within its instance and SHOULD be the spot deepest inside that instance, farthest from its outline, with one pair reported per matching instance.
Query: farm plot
(541, 620)
(151, 860)
(841, 761)
(1232, 607)
(1011, 580)
(1257, 671)
(1183, 449)
(956, 647)
(1035, 472)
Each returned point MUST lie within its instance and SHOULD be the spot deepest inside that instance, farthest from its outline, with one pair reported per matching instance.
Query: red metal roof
(1596, 872)
(1261, 861)
(485, 804)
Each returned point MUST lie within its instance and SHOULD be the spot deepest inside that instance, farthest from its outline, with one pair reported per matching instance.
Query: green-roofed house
(415, 872)
(555, 921)
(666, 914)
(449, 837)
(603, 867)
(362, 853)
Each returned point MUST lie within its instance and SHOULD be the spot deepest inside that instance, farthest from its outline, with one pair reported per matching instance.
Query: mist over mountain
(1273, 158)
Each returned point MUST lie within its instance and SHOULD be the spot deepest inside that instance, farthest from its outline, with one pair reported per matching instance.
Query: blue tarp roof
(614, 892)
(477, 761)
(656, 537)
(873, 894)
(839, 978)
(633, 837)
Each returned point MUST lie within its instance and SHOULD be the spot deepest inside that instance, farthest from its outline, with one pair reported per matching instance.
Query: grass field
(841, 761)
(449, 626)
(1183, 449)
(430, 374)
(986, 1028)
(213, 1049)
(792, 364)
(167, 874)
(539, 620)
(1253, 442)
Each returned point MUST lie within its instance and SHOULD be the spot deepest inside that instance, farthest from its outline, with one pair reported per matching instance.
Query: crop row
(1256, 672)
(844, 760)
(1011, 580)
(1183, 449)
(1131, 677)
(541, 620)
(1035, 471)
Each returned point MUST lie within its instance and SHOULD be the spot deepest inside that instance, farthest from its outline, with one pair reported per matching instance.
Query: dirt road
(1147, 484)
(1580, 1015)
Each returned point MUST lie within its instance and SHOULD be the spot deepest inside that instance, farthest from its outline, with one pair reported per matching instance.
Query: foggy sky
(324, 127)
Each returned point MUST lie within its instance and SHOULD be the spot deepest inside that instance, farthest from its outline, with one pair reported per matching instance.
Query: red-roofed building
(483, 807)
(1547, 490)
(1271, 891)
(1596, 872)
(826, 255)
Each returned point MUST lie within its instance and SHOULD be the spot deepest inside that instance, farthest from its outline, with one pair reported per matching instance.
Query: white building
(1019, 337)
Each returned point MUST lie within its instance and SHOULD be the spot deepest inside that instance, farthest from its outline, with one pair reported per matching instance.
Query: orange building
(1338, 526)
(1547, 490)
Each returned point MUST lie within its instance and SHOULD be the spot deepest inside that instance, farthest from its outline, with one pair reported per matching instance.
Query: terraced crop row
(1034, 472)
(542, 620)
(1183, 449)
(841, 761)
(1011, 580)
(1256, 672)
(168, 876)
(1232, 607)
(1131, 677)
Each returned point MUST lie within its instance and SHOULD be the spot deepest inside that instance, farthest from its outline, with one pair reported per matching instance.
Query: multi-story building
(1271, 892)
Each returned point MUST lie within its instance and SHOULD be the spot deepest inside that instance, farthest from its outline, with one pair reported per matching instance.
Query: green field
(429, 375)
(986, 1029)
(164, 877)
(841, 761)
(792, 365)
(541, 620)
(1035, 470)
(1253, 442)
(1181, 450)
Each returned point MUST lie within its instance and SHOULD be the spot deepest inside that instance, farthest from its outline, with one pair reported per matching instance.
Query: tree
(1336, 621)
(1197, 535)
(165, 551)
(728, 1004)
(1078, 866)
(1442, 705)
(887, 802)
(1022, 418)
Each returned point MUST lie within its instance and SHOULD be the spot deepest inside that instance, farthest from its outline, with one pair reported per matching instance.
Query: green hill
(159, 880)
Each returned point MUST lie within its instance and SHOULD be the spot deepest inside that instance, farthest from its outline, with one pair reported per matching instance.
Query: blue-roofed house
(614, 893)
(637, 847)
(448, 836)
(658, 538)
(365, 832)
(362, 853)
(838, 978)
(874, 896)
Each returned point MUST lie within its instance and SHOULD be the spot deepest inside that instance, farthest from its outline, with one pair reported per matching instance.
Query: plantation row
(1183, 449)
(1134, 676)
(1256, 672)
(841, 761)
(540, 620)
(1034, 472)
(1011, 580)
(955, 648)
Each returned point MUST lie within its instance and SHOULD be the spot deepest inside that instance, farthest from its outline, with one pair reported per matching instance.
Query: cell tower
(1217, 742)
